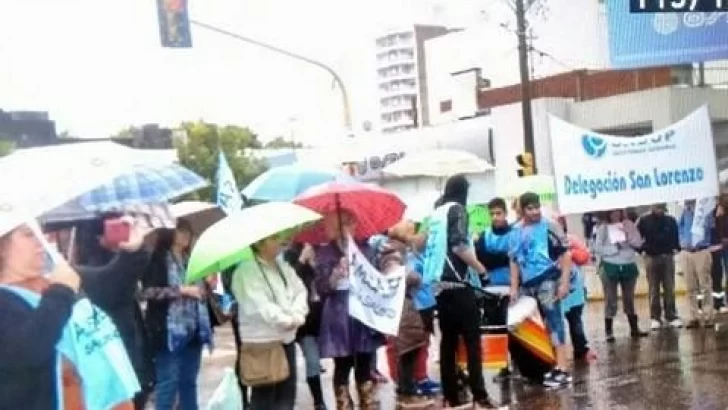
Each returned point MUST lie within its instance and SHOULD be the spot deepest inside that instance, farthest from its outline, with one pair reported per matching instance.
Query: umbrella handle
(53, 252)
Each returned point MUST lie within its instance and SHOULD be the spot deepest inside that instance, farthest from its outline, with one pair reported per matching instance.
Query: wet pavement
(670, 369)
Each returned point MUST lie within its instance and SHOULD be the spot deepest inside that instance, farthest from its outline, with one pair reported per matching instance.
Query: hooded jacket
(456, 191)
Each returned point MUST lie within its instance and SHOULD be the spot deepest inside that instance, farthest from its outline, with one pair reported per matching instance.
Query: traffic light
(525, 161)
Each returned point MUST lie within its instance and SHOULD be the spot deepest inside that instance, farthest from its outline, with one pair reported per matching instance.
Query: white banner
(597, 172)
(375, 299)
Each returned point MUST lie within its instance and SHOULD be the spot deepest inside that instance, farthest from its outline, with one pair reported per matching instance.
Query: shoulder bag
(265, 363)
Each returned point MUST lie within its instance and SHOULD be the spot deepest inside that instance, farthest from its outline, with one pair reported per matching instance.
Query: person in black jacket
(301, 258)
(112, 284)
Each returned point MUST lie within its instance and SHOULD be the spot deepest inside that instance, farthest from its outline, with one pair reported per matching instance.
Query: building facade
(24, 129)
(402, 77)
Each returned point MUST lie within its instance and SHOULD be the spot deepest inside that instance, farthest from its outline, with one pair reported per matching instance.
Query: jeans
(661, 277)
(460, 317)
(177, 376)
(545, 293)
(576, 331)
(279, 396)
(610, 287)
(309, 347)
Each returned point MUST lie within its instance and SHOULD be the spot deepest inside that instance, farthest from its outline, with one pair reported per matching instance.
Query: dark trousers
(279, 396)
(716, 271)
(460, 317)
(661, 279)
(361, 364)
(406, 383)
(611, 294)
(576, 331)
(238, 343)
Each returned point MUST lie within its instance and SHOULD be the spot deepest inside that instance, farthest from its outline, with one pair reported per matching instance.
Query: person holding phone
(177, 319)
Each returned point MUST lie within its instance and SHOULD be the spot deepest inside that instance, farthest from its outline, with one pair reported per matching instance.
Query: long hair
(165, 239)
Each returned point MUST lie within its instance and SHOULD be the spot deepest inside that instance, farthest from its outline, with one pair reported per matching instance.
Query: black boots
(634, 328)
(314, 385)
(609, 329)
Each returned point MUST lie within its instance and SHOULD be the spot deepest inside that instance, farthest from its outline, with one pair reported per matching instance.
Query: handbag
(264, 363)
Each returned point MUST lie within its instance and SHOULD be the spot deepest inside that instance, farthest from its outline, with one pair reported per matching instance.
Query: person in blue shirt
(697, 262)
(541, 268)
(492, 246)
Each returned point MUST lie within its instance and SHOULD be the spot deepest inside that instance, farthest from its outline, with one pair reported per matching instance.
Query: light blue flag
(228, 196)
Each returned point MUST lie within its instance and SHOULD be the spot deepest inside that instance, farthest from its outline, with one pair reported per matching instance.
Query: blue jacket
(424, 298)
(536, 248)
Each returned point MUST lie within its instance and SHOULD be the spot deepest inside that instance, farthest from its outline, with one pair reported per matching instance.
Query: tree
(6, 147)
(199, 152)
(280, 142)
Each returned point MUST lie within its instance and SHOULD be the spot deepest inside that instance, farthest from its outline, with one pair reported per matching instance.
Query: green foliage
(6, 147)
(200, 153)
(280, 142)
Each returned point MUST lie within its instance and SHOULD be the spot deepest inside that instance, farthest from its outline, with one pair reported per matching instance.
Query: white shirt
(271, 305)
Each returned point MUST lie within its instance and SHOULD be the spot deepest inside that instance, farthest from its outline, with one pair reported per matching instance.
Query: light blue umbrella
(286, 182)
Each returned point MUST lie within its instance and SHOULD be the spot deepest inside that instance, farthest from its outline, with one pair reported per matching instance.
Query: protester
(113, 286)
(301, 258)
(697, 262)
(661, 242)
(272, 306)
(541, 267)
(720, 278)
(36, 372)
(573, 303)
(491, 249)
(618, 268)
(350, 343)
(450, 259)
(177, 319)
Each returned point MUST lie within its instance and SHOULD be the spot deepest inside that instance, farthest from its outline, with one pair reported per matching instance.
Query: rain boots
(634, 328)
(609, 329)
(367, 399)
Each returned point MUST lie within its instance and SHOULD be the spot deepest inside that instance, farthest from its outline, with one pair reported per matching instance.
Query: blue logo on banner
(664, 38)
(594, 146)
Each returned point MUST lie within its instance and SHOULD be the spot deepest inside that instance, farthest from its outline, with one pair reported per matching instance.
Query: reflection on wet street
(670, 369)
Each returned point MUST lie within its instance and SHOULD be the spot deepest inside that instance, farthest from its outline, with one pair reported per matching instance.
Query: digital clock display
(677, 6)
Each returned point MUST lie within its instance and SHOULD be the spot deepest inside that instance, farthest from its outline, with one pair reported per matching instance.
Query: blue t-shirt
(536, 248)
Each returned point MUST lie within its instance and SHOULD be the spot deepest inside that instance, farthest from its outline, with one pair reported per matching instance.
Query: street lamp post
(337, 79)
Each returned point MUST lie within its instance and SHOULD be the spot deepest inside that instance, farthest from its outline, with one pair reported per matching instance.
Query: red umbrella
(375, 209)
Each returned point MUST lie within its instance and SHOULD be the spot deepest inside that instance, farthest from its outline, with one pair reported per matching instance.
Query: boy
(541, 266)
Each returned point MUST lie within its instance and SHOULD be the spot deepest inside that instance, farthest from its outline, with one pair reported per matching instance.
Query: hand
(307, 254)
(63, 274)
(192, 292)
(563, 290)
(136, 235)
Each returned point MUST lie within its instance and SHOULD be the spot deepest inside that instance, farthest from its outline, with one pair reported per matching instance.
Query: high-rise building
(401, 77)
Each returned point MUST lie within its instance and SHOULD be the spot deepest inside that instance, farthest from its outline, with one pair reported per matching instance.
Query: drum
(529, 343)
(494, 330)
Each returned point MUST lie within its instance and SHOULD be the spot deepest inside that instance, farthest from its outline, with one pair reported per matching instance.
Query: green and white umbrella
(227, 242)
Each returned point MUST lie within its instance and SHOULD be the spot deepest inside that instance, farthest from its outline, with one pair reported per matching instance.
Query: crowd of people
(297, 294)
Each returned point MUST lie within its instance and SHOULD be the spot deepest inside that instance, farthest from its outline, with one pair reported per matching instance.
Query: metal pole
(337, 79)
(528, 141)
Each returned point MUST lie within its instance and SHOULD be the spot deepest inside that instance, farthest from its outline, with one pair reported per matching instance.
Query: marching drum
(494, 330)
(530, 343)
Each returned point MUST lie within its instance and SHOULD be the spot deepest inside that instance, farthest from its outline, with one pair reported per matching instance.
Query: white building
(401, 77)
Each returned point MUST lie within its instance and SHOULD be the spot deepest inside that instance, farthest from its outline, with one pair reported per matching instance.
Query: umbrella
(227, 242)
(286, 182)
(375, 209)
(201, 215)
(144, 184)
(150, 216)
(543, 185)
(36, 180)
(438, 163)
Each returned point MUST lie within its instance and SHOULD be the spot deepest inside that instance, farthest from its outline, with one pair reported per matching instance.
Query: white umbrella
(438, 163)
(198, 213)
(37, 180)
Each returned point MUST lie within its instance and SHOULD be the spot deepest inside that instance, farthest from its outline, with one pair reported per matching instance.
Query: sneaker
(676, 323)
(556, 378)
(693, 324)
(655, 324)
(428, 387)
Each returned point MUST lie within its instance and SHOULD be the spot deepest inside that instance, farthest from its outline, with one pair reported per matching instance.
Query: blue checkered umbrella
(149, 184)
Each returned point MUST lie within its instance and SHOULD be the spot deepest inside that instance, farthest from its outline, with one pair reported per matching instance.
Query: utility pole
(529, 144)
(337, 79)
